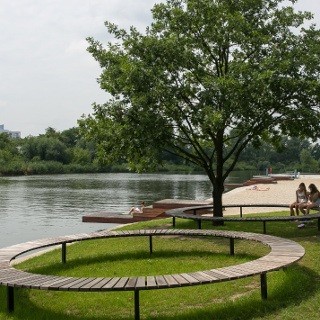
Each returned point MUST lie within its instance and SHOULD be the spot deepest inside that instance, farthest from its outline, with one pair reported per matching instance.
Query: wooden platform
(156, 211)
(272, 178)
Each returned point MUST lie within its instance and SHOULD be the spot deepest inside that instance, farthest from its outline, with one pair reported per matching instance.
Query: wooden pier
(156, 211)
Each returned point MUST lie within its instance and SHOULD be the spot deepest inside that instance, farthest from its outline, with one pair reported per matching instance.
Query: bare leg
(303, 208)
(310, 206)
(291, 209)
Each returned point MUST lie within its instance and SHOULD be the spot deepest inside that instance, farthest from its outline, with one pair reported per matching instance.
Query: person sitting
(136, 209)
(313, 202)
(301, 198)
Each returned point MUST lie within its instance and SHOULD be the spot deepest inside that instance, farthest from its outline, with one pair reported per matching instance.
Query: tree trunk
(218, 190)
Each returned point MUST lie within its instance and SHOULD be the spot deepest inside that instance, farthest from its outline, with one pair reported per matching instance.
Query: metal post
(231, 246)
(136, 305)
(64, 253)
(10, 299)
(150, 244)
(199, 223)
(263, 281)
(173, 222)
(318, 224)
(240, 211)
(264, 227)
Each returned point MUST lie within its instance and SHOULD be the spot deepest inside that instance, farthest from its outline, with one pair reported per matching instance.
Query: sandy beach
(282, 192)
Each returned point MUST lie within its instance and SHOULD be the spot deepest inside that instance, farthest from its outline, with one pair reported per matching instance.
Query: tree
(307, 161)
(45, 148)
(8, 149)
(70, 137)
(204, 80)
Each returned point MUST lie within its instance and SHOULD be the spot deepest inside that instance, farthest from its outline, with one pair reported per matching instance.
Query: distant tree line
(69, 152)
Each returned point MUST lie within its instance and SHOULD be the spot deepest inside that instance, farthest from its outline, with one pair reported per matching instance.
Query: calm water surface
(34, 207)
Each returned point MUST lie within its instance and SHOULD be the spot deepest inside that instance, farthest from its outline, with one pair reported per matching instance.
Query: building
(11, 134)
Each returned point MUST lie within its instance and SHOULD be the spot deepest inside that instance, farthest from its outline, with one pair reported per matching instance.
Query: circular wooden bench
(283, 253)
(191, 213)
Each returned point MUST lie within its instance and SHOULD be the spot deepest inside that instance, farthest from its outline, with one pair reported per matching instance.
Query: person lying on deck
(256, 188)
(136, 209)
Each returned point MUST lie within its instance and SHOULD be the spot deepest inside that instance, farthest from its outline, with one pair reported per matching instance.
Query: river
(35, 207)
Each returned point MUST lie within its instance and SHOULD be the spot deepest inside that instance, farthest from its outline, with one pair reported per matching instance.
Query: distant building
(11, 134)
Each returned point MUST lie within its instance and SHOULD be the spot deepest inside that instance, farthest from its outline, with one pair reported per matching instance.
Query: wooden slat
(161, 281)
(189, 278)
(110, 284)
(73, 284)
(97, 286)
(218, 275)
(171, 281)
(151, 282)
(57, 285)
(141, 283)
(131, 284)
(202, 277)
(181, 280)
(87, 286)
(80, 285)
(120, 285)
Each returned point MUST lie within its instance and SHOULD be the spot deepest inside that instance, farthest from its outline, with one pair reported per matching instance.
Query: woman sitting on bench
(313, 202)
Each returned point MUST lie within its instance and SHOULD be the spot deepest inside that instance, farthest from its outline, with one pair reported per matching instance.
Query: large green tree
(206, 78)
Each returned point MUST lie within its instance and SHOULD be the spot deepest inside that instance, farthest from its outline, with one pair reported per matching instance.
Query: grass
(292, 293)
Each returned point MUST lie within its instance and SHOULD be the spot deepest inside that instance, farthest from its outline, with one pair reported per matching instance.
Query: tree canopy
(204, 80)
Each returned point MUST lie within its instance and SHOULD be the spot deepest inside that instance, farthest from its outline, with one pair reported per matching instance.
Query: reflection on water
(33, 207)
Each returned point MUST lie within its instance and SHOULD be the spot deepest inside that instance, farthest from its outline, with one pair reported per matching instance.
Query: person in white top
(301, 199)
(136, 209)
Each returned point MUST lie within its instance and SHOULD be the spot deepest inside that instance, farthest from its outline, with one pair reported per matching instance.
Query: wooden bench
(191, 213)
(283, 253)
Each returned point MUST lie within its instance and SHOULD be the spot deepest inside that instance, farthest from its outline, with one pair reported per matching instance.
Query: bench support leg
(264, 227)
(199, 224)
(150, 244)
(10, 299)
(263, 281)
(136, 305)
(64, 253)
(318, 224)
(173, 222)
(231, 246)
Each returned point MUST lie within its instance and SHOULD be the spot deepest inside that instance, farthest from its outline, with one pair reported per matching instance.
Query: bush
(45, 167)
(12, 168)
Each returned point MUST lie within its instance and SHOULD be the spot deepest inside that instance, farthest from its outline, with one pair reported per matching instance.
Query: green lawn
(292, 293)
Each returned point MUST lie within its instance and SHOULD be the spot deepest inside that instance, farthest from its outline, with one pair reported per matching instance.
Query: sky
(47, 77)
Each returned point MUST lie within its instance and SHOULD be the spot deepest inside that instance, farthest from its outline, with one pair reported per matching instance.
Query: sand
(282, 192)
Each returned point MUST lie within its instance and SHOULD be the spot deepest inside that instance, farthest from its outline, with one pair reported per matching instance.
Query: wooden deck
(156, 211)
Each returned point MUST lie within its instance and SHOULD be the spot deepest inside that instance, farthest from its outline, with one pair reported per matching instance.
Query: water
(35, 207)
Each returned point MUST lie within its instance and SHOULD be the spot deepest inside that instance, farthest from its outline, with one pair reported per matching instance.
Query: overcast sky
(47, 78)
